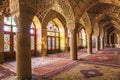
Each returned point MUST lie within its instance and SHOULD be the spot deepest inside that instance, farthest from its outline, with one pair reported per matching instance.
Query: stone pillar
(73, 45)
(102, 42)
(1, 40)
(23, 52)
(44, 42)
(97, 43)
(89, 43)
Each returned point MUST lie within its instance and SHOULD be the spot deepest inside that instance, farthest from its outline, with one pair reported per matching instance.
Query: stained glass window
(14, 42)
(7, 42)
(7, 28)
(53, 43)
(10, 30)
(14, 29)
(8, 20)
(32, 28)
(53, 36)
(52, 27)
(32, 42)
(57, 43)
(9, 34)
(57, 34)
(49, 43)
(32, 32)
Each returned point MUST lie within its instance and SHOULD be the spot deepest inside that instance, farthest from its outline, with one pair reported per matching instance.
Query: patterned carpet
(46, 68)
(89, 72)
(106, 56)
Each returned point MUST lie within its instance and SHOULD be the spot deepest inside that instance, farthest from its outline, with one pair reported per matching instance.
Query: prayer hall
(59, 39)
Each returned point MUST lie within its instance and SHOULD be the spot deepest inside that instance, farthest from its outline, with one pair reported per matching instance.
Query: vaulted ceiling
(100, 11)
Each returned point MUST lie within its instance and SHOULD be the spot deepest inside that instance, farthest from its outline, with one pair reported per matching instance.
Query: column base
(73, 58)
(44, 52)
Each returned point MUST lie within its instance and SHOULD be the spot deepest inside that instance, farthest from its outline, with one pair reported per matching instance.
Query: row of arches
(56, 37)
(70, 13)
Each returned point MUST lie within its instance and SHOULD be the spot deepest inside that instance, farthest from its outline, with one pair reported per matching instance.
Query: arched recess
(113, 39)
(10, 29)
(55, 36)
(54, 14)
(112, 13)
(62, 34)
(37, 23)
(59, 19)
(96, 34)
(81, 38)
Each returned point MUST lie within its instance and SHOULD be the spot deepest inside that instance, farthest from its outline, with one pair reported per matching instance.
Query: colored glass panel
(6, 42)
(32, 42)
(53, 43)
(57, 43)
(57, 34)
(13, 22)
(32, 25)
(53, 34)
(51, 27)
(7, 28)
(49, 43)
(48, 33)
(7, 20)
(14, 29)
(32, 31)
(14, 39)
(55, 29)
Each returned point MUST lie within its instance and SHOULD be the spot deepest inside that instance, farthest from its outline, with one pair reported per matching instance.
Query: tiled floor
(43, 68)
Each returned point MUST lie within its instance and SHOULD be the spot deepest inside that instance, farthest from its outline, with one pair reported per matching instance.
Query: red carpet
(43, 68)
(110, 56)
(5, 73)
